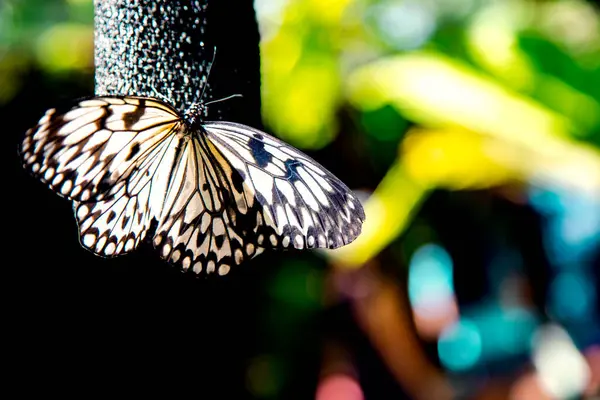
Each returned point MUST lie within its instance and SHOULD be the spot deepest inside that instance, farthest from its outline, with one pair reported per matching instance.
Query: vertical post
(145, 47)
(165, 46)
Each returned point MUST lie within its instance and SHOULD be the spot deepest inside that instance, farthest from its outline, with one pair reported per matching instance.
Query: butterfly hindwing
(115, 226)
(197, 227)
(118, 224)
(89, 152)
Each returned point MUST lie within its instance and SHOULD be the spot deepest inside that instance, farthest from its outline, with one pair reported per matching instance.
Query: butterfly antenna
(208, 73)
(159, 95)
(223, 99)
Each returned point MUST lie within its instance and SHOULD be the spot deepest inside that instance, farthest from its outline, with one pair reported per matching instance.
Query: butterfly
(208, 194)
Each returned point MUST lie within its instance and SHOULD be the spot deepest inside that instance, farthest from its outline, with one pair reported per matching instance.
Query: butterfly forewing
(305, 204)
(88, 153)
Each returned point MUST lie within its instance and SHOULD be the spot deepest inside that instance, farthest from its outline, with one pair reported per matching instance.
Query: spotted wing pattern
(118, 224)
(208, 198)
(89, 152)
(252, 192)
(305, 205)
(200, 229)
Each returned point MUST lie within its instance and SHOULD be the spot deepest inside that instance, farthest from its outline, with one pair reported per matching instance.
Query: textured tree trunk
(163, 48)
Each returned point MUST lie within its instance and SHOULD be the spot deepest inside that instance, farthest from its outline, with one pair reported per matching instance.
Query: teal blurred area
(470, 129)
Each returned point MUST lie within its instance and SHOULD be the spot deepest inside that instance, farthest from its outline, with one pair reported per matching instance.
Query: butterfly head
(194, 115)
(198, 110)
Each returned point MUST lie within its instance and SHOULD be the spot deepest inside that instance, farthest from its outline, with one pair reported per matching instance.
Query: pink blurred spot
(339, 387)
(592, 355)
(431, 319)
(528, 387)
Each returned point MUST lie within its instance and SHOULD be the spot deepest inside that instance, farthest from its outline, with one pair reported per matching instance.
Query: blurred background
(471, 131)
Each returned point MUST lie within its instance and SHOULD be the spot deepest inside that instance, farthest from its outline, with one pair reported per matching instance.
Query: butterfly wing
(115, 226)
(118, 224)
(90, 152)
(298, 202)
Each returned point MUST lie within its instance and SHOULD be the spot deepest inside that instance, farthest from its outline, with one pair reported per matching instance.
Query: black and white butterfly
(208, 194)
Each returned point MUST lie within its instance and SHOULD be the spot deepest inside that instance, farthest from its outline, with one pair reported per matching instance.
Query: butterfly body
(209, 195)
(193, 116)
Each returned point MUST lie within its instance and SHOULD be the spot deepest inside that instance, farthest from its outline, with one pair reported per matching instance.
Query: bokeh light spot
(403, 25)
(430, 276)
(65, 47)
(562, 370)
(459, 346)
(572, 296)
(339, 387)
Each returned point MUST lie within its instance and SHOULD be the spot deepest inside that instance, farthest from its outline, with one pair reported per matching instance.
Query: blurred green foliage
(54, 36)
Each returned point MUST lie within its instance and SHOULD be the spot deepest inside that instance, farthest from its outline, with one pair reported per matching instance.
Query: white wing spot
(166, 250)
(224, 269)
(298, 242)
(57, 179)
(89, 240)
(176, 255)
(82, 212)
(273, 240)
(322, 241)
(286, 241)
(197, 267)
(239, 256)
(100, 244)
(210, 267)
(49, 173)
(66, 187)
(110, 249)
(250, 249)
(92, 103)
